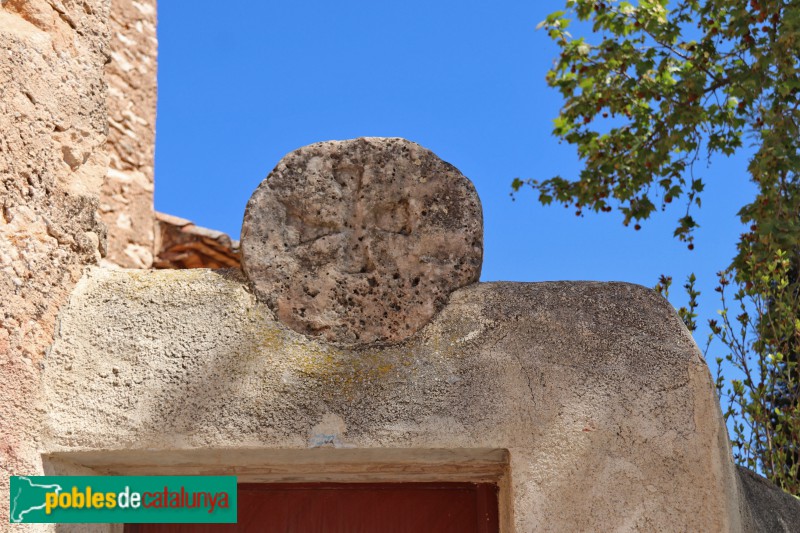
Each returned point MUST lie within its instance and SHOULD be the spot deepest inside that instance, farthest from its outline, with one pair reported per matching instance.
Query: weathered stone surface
(597, 390)
(52, 163)
(182, 244)
(767, 508)
(362, 240)
(126, 202)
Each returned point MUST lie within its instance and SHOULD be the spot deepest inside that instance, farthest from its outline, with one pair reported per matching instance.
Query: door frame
(309, 465)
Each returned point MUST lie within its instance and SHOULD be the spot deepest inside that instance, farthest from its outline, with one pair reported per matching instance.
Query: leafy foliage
(687, 314)
(763, 341)
(657, 87)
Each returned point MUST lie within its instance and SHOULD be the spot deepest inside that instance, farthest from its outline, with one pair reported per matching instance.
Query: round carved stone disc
(361, 241)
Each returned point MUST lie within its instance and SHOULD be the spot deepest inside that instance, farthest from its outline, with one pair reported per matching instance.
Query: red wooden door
(355, 508)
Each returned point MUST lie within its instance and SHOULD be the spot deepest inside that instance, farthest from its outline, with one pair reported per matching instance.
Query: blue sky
(241, 84)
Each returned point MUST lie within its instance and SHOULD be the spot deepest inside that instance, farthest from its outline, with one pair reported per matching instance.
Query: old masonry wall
(56, 57)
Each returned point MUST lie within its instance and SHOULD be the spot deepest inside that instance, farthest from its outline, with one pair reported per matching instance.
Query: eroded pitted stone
(363, 240)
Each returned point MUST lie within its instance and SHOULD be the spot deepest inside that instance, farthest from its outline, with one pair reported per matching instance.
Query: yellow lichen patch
(262, 337)
(349, 374)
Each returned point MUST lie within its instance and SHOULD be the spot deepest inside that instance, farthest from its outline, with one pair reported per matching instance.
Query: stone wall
(588, 403)
(597, 391)
(53, 160)
(126, 204)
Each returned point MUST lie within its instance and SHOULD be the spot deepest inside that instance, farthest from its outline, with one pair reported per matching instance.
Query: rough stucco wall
(597, 390)
(126, 204)
(52, 163)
